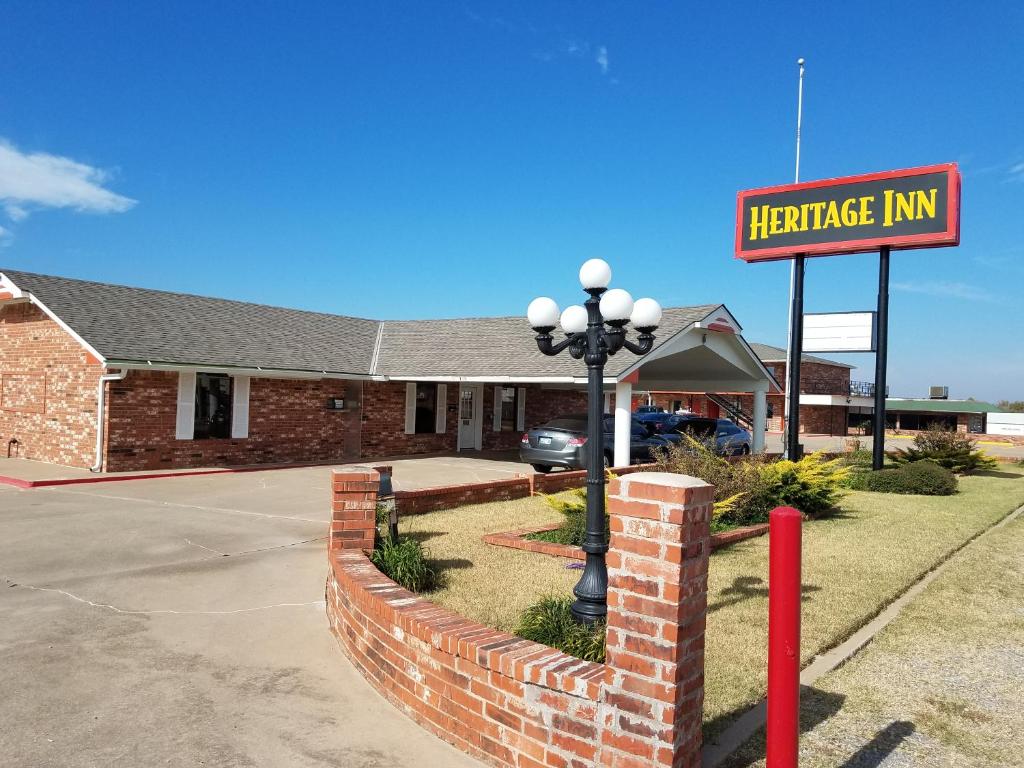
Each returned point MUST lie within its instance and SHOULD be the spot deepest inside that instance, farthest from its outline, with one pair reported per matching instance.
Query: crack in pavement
(128, 611)
(221, 510)
(253, 551)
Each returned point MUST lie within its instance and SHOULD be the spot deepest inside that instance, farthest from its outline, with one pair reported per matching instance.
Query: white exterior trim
(239, 406)
(257, 373)
(376, 348)
(185, 417)
(67, 329)
(837, 401)
(441, 409)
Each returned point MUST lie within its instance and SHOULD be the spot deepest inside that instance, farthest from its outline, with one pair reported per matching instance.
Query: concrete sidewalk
(182, 623)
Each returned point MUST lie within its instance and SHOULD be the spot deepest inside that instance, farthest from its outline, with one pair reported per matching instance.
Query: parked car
(649, 409)
(729, 438)
(673, 422)
(562, 442)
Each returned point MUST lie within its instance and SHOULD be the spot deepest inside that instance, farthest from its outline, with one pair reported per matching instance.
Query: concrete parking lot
(180, 622)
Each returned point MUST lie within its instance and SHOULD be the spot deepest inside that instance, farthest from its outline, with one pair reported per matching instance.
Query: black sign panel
(915, 208)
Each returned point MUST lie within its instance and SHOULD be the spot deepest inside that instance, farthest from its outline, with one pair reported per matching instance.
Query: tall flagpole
(793, 398)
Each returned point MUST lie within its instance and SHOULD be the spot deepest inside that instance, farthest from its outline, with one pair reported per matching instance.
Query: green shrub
(921, 478)
(812, 485)
(404, 561)
(550, 622)
(574, 528)
(956, 451)
(746, 491)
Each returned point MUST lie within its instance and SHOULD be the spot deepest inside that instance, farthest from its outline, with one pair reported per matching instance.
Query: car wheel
(607, 461)
(542, 468)
(745, 450)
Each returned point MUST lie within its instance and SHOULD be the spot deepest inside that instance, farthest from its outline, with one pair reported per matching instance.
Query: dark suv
(562, 443)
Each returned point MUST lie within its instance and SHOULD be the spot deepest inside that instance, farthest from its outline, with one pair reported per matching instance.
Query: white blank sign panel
(839, 332)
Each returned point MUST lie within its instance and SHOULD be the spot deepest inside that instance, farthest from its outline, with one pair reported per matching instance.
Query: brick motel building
(117, 378)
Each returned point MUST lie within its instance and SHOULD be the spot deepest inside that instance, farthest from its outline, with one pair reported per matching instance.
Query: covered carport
(709, 355)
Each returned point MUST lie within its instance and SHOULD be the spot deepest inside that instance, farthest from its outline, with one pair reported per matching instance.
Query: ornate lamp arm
(646, 342)
(545, 343)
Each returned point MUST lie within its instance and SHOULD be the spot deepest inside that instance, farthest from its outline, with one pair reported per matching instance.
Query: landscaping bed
(855, 563)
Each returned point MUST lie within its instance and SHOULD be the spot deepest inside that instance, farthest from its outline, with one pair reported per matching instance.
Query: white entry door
(470, 409)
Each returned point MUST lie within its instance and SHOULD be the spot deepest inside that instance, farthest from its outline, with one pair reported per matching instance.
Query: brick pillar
(652, 700)
(354, 508)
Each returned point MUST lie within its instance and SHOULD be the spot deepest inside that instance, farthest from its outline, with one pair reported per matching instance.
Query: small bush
(746, 491)
(404, 561)
(956, 451)
(550, 622)
(573, 530)
(921, 478)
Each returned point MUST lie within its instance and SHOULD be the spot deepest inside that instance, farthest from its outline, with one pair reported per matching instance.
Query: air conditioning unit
(938, 393)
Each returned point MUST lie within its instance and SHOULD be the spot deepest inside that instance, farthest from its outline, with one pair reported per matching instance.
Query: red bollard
(784, 638)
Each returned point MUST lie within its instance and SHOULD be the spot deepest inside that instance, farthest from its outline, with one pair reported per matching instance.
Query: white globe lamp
(574, 319)
(595, 274)
(542, 313)
(616, 305)
(646, 314)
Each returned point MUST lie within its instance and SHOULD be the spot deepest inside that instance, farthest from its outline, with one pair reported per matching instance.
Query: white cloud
(1017, 172)
(41, 180)
(602, 59)
(946, 290)
(5, 237)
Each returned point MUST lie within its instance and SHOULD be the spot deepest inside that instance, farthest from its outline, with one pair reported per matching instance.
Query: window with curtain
(213, 406)
(509, 408)
(426, 408)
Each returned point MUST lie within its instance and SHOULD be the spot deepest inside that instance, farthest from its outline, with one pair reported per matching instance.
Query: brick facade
(383, 432)
(513, 702)
(47, 390)
(288, 423)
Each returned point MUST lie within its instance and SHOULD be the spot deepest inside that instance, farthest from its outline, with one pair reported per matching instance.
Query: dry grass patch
(854, 565)
(489, 584)
(943, 680)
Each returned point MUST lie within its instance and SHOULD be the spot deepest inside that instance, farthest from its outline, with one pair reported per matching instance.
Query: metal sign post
(796, 348)
(881, 360)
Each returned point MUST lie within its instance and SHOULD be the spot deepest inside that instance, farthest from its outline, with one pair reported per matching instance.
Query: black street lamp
(589, 339)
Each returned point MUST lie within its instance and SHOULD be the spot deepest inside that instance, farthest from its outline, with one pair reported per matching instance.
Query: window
(426, 408)
(213, 406)
(509, 408)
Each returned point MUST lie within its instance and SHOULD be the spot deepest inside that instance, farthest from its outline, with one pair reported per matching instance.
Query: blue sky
(408, 160)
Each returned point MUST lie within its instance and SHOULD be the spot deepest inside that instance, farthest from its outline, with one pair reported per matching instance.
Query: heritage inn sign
(913, 208)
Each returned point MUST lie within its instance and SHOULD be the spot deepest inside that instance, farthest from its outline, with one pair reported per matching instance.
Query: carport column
(623, 422)
(760, 416)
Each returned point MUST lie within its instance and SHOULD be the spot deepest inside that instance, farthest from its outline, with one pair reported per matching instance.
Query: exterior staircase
(732, 408)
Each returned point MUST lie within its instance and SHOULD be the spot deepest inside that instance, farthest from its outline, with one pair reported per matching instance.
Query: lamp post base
(591, 604)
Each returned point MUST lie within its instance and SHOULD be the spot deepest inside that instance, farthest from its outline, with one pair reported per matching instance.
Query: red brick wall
(384, 419)
(823, 420)
(288, 423)
(47, 390)
(541, 405)
(512, 702)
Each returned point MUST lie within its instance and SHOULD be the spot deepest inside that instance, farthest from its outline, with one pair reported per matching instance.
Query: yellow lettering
(803, 217)
(905, 206)
(849, 213)
(865, 213)
(791, 214)
(832, 215)
(817, 207)
(926, 204)
(776, 224)
(759, 222)
(887, 209)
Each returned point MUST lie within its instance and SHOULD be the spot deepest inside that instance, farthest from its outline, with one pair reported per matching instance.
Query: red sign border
(949, 237)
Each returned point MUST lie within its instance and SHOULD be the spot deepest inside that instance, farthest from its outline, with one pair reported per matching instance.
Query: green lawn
(854, 564)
